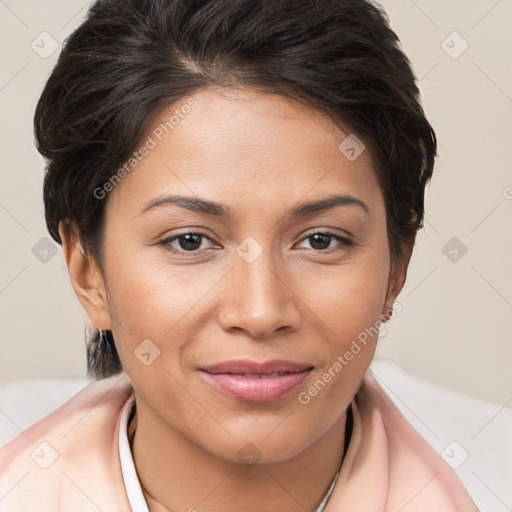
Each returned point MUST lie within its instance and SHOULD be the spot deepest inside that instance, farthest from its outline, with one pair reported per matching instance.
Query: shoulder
(67, 452)
(414, 465)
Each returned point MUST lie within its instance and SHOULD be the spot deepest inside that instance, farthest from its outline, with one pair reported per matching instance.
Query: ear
(397, 277)
(86, 277)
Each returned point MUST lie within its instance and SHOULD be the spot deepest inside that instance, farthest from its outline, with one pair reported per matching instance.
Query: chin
(258, 444)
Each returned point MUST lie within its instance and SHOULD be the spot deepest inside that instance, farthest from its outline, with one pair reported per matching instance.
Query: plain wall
(456, 323)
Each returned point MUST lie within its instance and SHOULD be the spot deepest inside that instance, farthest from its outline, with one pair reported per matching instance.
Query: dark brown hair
(131, 58)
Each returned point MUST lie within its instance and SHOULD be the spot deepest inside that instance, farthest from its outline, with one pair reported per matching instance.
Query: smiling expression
(245, 234)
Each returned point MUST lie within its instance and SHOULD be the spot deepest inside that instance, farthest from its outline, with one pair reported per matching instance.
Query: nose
(259, 298)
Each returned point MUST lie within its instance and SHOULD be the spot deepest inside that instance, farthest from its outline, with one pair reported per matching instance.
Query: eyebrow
(205, 207)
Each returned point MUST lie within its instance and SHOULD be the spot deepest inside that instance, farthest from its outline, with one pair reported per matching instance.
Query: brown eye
(320, 241)
(185, 242)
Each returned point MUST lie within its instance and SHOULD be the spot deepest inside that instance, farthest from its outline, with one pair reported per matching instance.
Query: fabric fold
(363, 482)
(70, 460)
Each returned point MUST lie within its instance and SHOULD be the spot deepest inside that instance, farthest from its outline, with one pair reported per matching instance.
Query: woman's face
(251, 283)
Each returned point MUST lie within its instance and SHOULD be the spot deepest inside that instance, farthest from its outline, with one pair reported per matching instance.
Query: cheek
(347, 314)
(347, 299)
(151, 298)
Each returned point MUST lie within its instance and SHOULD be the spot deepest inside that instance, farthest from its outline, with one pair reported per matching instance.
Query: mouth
(250, 381)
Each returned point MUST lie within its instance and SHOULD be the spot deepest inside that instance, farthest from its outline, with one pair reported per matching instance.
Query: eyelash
(345, 242)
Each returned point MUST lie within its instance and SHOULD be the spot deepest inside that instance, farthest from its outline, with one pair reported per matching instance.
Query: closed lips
(251, 381)
(248, 368)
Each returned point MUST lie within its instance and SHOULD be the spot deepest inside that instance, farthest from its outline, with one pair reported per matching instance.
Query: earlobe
(85, 276)
(398, 275)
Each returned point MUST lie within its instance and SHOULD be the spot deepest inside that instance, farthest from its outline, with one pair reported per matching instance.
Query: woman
(236, 186)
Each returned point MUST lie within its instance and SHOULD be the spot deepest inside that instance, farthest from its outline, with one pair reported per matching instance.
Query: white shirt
(131, 481)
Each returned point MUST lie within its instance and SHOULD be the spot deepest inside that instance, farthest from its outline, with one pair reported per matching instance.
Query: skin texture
(260, 155)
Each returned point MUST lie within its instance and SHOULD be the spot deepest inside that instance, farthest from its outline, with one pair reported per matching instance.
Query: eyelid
(345, 241)
(166, 242)
(328, 231)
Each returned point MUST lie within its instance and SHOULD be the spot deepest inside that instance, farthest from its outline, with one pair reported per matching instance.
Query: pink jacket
(69, 461)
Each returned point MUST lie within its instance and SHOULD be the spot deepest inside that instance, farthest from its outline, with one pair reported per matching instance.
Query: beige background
(456, 323)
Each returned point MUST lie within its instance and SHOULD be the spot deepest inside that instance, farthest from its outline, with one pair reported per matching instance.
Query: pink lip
(246, 380)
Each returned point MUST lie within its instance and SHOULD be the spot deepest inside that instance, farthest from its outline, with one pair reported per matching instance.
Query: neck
(178, 475)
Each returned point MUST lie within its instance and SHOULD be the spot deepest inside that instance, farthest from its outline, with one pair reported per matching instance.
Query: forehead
(240, 144)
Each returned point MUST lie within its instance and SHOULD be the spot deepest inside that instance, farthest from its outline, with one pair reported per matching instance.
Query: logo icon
(44, 455)
(455, 454)
(249, 250)
(249, 454)
(352, 147)
(44, 45)
(454, 45)
(44, 250)
(146, 352)
(454, 249)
